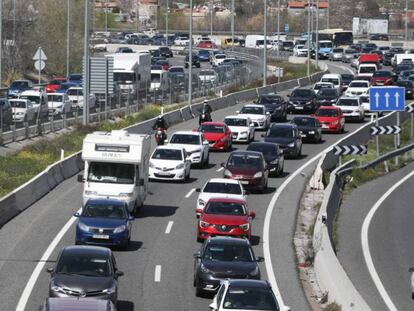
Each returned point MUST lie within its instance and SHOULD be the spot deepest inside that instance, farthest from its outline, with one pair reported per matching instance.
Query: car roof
(227, 200)
(249, 283)
(223, 180)
(360, 81)
(105, 201)
(60, 94)
(247, 152)
(186, 133)
(329, 108)
(253, 105)
(283, 125)
(261, 143)
(349, 97)
(227, 240)
(82, 249)
(214, 123)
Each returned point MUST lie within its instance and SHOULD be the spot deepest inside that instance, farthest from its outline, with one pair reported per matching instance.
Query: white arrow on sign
(39, 55)
(387, 99)
(397, 96)
(377, 96)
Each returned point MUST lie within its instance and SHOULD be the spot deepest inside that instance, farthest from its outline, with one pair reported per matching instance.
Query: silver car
(348, 55)
(336, 54)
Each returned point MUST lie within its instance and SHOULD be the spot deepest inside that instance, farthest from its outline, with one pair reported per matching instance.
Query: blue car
(65, 86)
(76, 78)
(18, 86)
(104, 222)
(204, 55)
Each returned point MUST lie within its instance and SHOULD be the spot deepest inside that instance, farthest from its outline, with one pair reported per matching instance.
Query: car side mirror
(268, 113)
(49, 270)
(198, 190)
(131, 218)
(140, 182)
(252, 215)
(222, 164)
(119, 273)
(213, 306)
(76, 214)
(237, 111)
(197, 255)
(259, 259)
(80, 178)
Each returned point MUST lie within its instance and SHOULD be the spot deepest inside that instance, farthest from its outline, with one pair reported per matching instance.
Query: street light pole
(67, 37)
(309, 39)
(278, 28)
(265, 43)
(406, 20)
(327, 14)
(317, 35)
(166, 24)
(137, 14)
(211, 17)
(1, 42)
(232, 25)
(190, 57)
(86, 65)
(106, 16)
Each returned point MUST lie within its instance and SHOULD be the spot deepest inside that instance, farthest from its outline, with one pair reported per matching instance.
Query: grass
(332, 307)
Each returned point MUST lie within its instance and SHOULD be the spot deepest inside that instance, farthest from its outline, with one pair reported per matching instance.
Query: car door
(30, 111)
(205, 146)
(187, 162)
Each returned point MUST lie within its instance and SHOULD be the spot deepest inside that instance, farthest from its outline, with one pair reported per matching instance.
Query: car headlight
(109, 291)
(311, 132)
(290, 103)
(255, 271)
(308, 103)
(180, 166)
(57, 289)
(275, 161)
(243, 133)
(258, 175)
(89, 192)
(204, 224)
(83, 227)
(227, 173)
(204, 269)
(151, 165)
(291, 145)
(120, 229)
(196, 150)
(20, 113)
(201, 202)
(245, 227)
(126, 194)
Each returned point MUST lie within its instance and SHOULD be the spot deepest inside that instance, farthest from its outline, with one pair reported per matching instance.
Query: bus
(337, 36)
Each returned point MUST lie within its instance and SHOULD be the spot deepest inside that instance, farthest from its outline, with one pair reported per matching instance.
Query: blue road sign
(286, 27)
(387, 98)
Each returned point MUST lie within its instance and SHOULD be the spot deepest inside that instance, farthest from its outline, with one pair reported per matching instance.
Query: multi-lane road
(163, 236)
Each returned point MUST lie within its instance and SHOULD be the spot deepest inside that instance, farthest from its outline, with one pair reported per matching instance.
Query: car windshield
(301, 93)
(75, 92)
(325, 45)
(252, 110)
(368, 69)
(164, 49)
(245, 161)
(269, 99)
(347, 77)
(245, 298)
(335, 81)
(226, 208)
(115, 211)
(185, 139)
(84, 264)
(19, 84)
(55, 98)
(327, 92)
(155, 77)
(32, 98)
(319, 86)
(18, 103)
(228, 252)
(347, 102)
(382, 74)
(75, 77)
(220, 56)
(337, 50)
(280, 131)
(113, 173)
(167, 154)
(327, 113)
(210, 128)
(304, 121)
(268, 150)
(359, 84)
(176, 69)
(216, 187)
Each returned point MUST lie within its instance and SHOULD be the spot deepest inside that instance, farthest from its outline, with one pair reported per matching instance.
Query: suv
(39, 101)
(195, 61)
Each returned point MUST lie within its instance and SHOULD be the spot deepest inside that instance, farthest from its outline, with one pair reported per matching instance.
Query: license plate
(299, 107)
(101, 236)
(163, 173)
(325, 126)
(244, 182)
(303, 135)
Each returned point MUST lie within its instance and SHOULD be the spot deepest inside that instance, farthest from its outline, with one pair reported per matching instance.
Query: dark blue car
(76, 78)
(65, 86)
(104, 222)
(18, 86)
(204, 55)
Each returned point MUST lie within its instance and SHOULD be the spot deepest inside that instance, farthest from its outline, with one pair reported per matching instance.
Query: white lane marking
(21, 305)
(189, 193)
(365, 244)
(157, 275)
(169, 226)
(220, 169)
(266, 226)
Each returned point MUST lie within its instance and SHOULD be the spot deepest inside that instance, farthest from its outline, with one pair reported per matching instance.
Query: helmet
(205, 101)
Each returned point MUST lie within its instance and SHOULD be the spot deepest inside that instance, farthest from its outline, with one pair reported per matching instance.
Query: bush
(333, 307)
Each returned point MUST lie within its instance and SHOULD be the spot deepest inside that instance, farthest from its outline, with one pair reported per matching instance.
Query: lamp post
(190, 57)
(166, 24)
(317, 35)
(309, 38)
(327, 14)
(211, 17)
(278, 28)
(67, 37)
(1, 42)
(85, 82)
(265, 43)
(406, 20)
(137, 14)
(106, 16)
(232, 25)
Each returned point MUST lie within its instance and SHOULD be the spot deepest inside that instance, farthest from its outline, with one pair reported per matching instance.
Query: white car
(194, 143)
(257, 114)
(169, 163)
(351, 108)
(245, 294)
(219, 188)
(38, 99)
(242, 129)
(366, 70)
(208, 76)
(58, 103)
(23, 110)
(300, 50)
(217, 59)
(75, 94)
(322, 85)
(182, 41)
(357, 87)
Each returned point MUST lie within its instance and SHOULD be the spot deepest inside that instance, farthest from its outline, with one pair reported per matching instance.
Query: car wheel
(299, 152)
(207, 160)
(280, 172)
(412, 295)
(198, 291)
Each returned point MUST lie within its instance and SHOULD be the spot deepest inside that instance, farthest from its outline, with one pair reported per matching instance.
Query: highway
(390, 235)
(163, 235)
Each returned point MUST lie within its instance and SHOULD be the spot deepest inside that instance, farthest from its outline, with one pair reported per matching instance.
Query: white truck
(403, 57)
(116, 167)
(131, 71)
(257, 42)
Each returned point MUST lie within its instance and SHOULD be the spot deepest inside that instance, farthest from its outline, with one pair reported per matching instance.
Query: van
(369, 59)
(39, 101)
(159, 80)
(257, 42)
(116, 167)
(228, 42)
(335, 79)
(366, 70)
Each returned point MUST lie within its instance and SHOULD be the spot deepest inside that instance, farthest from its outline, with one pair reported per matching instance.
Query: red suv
(217, 134)
(249, 167)
(331, 119)
(225, 217)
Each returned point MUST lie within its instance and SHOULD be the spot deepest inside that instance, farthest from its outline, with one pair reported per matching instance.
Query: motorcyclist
(205, 115)
(207, 107)
(160, 125)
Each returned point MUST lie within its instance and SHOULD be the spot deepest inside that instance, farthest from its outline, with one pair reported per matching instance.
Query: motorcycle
(204, 117)
(160, 136)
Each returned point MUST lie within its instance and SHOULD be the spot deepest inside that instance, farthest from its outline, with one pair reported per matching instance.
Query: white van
(257, 42)
(334, 78)
(366, 70)
(159, 80)
(116, 167)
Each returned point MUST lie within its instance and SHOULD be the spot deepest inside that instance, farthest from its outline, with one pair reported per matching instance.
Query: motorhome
(159, 80)
(116, 167)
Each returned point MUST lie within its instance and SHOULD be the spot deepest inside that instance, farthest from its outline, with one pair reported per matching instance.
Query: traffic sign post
(39, 59)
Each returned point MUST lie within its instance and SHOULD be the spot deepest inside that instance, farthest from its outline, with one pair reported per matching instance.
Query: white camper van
(116, 167)
(159, 80)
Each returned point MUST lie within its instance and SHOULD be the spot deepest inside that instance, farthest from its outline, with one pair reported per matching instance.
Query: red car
(206, 44)
(382, 77)
(331, 119)
(217, 134)
(225, 217)
(55, 84)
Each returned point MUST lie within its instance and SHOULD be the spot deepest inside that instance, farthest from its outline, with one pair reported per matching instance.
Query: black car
(195, 61)
(272, 155)
(224, 257)
(287, 136)
(405, 74)
(6, 114)
(155, 59)
(165, 51)
(402, 67)
(124, 49)
(346, 79)
(302, 100)
(397, 50)
(275, 105)
(85, 271)
(309, 127)
(387, 58)
(327, 97)
(155, 53)
(409, 88)
(379, 37)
